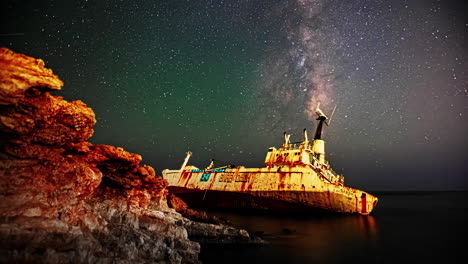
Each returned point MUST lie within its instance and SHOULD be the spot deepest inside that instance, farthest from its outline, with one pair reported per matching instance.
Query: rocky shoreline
(65, 200)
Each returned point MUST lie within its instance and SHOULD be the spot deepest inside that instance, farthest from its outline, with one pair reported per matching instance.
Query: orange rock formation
(66, 200)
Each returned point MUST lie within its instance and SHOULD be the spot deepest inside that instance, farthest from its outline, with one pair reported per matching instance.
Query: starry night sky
(224, 79)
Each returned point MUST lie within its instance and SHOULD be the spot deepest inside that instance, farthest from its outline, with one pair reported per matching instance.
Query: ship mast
(286, 141)
(185, 161)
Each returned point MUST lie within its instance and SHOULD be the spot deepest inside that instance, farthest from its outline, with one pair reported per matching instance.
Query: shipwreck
(296, 177)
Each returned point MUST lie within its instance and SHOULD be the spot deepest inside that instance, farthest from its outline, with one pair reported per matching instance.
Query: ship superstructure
(296, 176)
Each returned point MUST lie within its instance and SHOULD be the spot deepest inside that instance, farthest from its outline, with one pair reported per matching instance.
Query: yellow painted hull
(269, 188)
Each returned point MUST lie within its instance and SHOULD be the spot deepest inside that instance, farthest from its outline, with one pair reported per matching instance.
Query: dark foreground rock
(208, 229)
(65, 200)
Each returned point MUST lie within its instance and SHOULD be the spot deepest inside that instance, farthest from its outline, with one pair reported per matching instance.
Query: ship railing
(293, 145)
(330, 175)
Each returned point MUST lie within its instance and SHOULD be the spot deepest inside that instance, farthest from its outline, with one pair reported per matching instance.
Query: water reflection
(405, 228)
(302, 239)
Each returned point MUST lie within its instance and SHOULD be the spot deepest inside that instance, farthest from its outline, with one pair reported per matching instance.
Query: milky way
(301, 74)
(224, 79)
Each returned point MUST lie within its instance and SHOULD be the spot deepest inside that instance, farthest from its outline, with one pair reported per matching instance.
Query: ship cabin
(297, 153)
(305, 155)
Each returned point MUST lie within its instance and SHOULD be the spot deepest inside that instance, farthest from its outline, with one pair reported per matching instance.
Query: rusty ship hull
(253, 201)
(295, 176)
(273, 188)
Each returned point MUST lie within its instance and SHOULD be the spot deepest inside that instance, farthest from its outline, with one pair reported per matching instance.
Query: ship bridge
(293, 154)
(304, 155)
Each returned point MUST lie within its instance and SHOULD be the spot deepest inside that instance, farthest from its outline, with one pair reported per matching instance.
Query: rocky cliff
(66, 200)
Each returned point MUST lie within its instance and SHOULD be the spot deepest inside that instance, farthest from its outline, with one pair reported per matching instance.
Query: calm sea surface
(405, 227)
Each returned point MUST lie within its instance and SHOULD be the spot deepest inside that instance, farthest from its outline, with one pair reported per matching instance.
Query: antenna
(331, 116)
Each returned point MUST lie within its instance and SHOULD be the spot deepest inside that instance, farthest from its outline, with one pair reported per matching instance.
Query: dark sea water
(405, 227)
